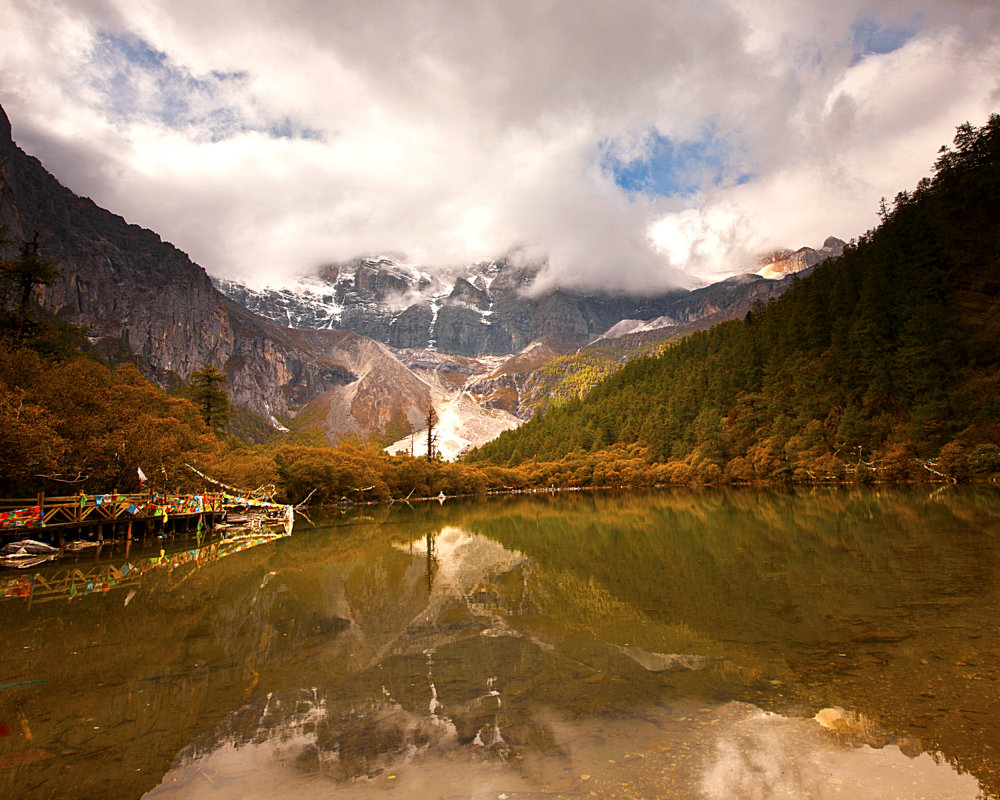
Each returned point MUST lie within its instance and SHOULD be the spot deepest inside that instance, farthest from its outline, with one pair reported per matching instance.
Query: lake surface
(830, 643)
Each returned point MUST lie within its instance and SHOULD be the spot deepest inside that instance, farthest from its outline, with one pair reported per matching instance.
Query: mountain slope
(786, 262)
(144, 299)
(883, 361)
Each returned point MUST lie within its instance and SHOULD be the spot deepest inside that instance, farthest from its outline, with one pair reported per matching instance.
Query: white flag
(142, 475)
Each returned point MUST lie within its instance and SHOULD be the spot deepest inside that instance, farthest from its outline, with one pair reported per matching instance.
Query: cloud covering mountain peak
(634, 145)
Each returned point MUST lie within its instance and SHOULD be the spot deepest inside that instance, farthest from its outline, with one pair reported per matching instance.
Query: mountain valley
(359, 350)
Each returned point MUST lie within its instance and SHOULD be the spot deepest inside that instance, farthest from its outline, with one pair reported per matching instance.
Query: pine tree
(23, 274)
(205, 389)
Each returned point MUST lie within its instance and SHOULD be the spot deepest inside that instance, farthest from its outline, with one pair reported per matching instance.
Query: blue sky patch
(868, 38)
(139, 82)
(669, 168)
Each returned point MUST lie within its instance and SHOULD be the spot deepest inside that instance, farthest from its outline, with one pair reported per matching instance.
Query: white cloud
(873, 133)
(269, 141)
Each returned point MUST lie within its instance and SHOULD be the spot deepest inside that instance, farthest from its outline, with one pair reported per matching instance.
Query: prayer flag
(142, 476)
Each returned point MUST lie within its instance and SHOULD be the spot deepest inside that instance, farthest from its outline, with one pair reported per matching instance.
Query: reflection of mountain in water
(445, 593)
(472, 650)
(516, 645)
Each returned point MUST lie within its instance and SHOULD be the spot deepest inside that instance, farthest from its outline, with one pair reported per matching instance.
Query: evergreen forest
(879, 365)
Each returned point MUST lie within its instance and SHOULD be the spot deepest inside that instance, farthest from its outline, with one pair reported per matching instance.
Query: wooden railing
(19, 514)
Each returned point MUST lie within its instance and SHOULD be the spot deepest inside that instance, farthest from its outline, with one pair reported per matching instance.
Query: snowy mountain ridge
(483, 308)
(785, 262)
(398, 303)
(472, 337)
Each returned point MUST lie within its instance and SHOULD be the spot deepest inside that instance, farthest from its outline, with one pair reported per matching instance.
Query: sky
(629, 145)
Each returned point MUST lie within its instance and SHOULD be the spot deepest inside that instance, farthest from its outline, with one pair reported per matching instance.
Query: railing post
(40, 502)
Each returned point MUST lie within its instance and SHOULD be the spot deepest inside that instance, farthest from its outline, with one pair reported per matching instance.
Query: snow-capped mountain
(398, 303)
(785, 262)
(482, 309)
(630, 326)
(472, 337)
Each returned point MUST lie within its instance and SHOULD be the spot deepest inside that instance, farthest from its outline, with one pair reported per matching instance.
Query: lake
(747, 643)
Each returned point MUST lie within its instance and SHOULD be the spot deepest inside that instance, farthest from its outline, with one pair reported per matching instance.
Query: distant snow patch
(462, 425)
(628, 326)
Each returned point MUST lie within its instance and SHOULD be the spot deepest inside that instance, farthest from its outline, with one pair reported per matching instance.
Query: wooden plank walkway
(74, 516)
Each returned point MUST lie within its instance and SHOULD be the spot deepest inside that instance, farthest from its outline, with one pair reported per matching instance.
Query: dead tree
(431, 419)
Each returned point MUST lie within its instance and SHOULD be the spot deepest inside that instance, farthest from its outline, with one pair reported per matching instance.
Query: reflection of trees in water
(873, 599)
(724, 592)
(431, 562)
(715, 559)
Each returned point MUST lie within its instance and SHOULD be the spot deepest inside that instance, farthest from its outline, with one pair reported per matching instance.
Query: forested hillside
(881, 363)
(69, 423)
(573, 376)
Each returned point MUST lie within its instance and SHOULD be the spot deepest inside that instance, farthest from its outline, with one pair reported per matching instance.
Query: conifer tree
(20, 277)
(205, 389)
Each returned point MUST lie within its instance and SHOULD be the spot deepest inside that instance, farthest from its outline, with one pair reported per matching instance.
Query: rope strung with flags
(240, 500)
(256, 498)
(260, 493)
(21, 517)
(77, 583)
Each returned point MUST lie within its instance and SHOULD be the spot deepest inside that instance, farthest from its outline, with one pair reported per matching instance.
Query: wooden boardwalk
(56, 520)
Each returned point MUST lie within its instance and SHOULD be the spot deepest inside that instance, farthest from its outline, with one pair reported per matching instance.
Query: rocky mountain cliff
(485, 310)
(787, 262)
(143, 299)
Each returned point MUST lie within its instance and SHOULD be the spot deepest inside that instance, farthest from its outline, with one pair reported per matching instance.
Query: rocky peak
(380, 281)
(785, 262)
(466, 292)
(833, 246)
(775, 255)
(5, 130)
(516, 277)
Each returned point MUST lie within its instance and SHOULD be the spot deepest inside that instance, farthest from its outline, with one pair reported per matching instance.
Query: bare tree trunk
(431, 419)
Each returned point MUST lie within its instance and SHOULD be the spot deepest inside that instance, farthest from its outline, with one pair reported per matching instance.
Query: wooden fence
(27, 517)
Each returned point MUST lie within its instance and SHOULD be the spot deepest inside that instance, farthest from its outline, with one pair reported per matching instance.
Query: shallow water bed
(713, 644)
